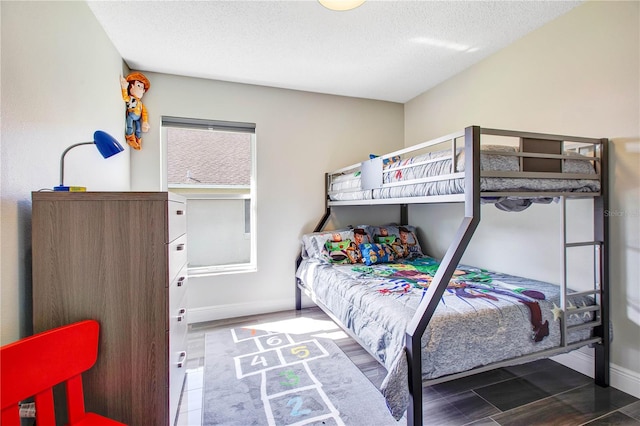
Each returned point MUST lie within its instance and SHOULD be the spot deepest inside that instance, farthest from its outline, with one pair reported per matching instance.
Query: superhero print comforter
(483, 316)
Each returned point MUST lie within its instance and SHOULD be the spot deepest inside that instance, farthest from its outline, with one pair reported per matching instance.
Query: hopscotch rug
(258, 377)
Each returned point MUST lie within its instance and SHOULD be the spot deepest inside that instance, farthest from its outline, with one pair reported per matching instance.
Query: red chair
(33, 365)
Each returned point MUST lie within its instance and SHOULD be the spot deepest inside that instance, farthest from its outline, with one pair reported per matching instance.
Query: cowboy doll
(133, 88)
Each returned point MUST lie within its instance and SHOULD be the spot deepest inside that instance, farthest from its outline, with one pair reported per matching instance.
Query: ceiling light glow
(444, 44)
(341, 5)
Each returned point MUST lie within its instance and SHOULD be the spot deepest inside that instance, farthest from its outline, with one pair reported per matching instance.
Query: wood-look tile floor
(538, 393)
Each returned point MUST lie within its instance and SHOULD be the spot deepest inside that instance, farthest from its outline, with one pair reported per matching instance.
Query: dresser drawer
(178, 301)
(177, 212)
(178, 325)
(177, 256)
(177, 372)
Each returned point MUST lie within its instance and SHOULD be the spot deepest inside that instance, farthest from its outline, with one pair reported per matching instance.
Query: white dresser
(119, 258)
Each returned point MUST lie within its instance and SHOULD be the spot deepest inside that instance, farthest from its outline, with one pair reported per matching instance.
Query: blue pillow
(376, 253)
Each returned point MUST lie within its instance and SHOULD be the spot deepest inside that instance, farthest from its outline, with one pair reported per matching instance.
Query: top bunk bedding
(513, 166)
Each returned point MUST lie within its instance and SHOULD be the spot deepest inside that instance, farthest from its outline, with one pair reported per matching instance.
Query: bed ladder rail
(599, 323)
(567, 309)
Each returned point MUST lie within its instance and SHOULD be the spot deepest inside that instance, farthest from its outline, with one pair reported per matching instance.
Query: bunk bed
(410, 310)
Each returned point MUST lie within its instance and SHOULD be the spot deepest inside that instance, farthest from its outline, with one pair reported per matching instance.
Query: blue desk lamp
(106, 144)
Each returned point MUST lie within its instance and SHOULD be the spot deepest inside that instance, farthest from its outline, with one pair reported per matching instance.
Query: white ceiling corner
(386, 50)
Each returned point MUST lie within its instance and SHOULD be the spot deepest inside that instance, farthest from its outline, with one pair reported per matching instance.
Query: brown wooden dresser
(119, 258)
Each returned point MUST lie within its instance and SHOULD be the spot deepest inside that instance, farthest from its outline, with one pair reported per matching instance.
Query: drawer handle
(179, 212)
(180, 281)
(181, 314)
(180, 247)
(182, 358)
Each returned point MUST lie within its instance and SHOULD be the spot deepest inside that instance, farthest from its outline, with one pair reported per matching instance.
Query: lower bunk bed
(484, 317)
(430, 320)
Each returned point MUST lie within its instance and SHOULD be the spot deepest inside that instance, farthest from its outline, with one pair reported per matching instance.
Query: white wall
(299, 136)
(60, 83)
(578, 75)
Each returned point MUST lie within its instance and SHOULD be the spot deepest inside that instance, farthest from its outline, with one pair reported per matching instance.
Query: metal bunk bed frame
(472, 202)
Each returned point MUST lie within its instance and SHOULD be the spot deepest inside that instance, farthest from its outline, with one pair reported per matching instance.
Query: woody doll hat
(138, 76)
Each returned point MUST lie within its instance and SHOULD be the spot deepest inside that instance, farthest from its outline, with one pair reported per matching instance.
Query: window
(212, 164)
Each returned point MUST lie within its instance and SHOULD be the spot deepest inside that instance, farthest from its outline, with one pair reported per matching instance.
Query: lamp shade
(106, 144)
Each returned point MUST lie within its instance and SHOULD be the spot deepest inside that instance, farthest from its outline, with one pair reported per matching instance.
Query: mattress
(483, 316)
(347, 186)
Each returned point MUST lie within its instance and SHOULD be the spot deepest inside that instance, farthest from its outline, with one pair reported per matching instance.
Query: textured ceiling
(387, 50)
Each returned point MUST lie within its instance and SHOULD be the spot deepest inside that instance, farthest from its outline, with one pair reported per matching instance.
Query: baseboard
(620, 378)
(212, 313)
